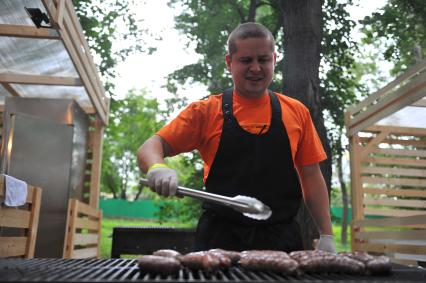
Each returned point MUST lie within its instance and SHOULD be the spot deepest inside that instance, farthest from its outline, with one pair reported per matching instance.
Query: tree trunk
(252, 11)
(302, 23)
(344, 233)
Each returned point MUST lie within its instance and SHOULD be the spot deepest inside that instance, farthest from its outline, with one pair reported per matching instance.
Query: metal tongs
(248, 206)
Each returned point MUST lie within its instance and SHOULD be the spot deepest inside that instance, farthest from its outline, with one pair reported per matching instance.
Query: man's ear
(228, 61)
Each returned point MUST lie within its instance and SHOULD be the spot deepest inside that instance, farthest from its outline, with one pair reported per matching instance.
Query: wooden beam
(28, 32)
(39, 80)
(373, 143)
(391, 221)
(95, 176)
(375, 96)
(420, 103)
(60, 4)
(10, 89)
(407, 131)
(404, 96)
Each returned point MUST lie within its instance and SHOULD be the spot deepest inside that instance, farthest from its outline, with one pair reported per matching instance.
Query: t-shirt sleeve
(310, 149)
(183, 133)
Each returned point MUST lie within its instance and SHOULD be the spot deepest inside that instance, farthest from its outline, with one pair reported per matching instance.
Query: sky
(149, 71)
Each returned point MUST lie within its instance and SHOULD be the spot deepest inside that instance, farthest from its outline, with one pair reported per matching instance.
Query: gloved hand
(325, 243)
(162, 179)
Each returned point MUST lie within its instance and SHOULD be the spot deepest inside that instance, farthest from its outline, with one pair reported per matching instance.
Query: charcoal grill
(126, 270)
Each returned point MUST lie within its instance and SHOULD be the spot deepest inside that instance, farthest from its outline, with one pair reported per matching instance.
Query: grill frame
(126, 270)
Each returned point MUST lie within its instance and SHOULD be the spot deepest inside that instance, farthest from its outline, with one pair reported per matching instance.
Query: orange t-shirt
(199, 127)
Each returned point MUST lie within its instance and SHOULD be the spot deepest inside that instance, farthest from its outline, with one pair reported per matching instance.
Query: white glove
(325, 243)
(162, 180)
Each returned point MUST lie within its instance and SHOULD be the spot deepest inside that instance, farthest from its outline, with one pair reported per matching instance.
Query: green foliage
(132, 121)
(400, 28)
(110, 44)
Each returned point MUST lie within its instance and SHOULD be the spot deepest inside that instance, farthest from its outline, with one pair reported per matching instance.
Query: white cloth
(15, 191)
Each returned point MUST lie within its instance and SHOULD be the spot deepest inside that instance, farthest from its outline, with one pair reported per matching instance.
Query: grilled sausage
(374, 265)
(268, 260)
(320, 261)
(167, 253)
(379, 266)
(159, 265)
(203, 260)
(232, 255)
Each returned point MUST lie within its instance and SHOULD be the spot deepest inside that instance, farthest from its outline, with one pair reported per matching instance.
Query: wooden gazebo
(387, 135)
(44, 54)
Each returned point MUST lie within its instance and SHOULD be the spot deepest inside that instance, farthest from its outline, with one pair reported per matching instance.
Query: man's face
(252, 66)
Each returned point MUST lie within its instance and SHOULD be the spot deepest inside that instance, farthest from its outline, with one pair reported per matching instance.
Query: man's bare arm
(315, 195)
(152, 151)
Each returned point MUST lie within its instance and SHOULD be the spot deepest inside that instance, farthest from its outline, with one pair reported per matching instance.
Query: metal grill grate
(126, 270)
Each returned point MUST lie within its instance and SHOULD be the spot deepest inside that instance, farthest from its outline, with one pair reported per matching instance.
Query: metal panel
(40, 154)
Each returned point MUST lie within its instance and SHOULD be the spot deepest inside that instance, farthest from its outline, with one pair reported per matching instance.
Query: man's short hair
(248, 30)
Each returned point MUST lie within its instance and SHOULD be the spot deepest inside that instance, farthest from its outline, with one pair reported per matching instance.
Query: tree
(132, 121)
(399, 27)
(298, 29)
(101, 22)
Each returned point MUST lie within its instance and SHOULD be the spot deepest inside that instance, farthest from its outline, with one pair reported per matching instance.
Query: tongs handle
(206, 196)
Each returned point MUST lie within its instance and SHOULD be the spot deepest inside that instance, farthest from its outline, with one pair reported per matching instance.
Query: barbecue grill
(126, 270)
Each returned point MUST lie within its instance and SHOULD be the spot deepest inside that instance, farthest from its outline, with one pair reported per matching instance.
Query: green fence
(129, 209)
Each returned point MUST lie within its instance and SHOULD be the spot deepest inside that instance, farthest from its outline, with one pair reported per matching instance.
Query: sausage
(234, 256)
(159, 265)
(320, 261)
(268, 260)
(379, 265)
(167, 253)
(203, 260)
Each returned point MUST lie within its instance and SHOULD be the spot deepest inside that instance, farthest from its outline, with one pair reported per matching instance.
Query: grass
(109, 223)
(337, 230)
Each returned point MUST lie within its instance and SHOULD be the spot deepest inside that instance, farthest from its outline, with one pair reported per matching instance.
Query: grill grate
(126, 270)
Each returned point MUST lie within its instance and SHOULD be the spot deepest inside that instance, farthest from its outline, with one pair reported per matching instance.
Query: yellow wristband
(157, 165)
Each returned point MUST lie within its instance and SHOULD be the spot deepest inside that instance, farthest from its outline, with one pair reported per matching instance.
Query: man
(255, 143)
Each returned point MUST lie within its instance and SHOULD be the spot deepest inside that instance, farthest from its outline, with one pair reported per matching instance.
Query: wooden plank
(389, 248)
(400, 152)
(394, 171)
(417, 143)
(394, 181)
(401, 97)
(39, 79)
(355, 164)
(95, 178)
(396, 161)
(91, 64)
(373, 143)
(88, 210)
(393, 212)
(420, 103)
(391, 221)
(10, 89)
(59, 12)
(12, 217)
(81, 223)
(32, 232)
(12, 246)
(396, 192)
(404, 234)
(397, 81)
(70, 228)
(98, 248)
(398, 131)
(84, 253)
(86, 239)
(28, 32)
(396, 202)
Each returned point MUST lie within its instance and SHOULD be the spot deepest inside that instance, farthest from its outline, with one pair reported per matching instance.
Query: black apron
(259, 166)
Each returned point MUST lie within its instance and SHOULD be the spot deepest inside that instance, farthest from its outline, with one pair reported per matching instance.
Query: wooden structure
(83, 234)
(53, 60)
(24, 219)
(387, 135)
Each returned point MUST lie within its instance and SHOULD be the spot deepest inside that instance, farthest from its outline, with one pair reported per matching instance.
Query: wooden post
(95, 178)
